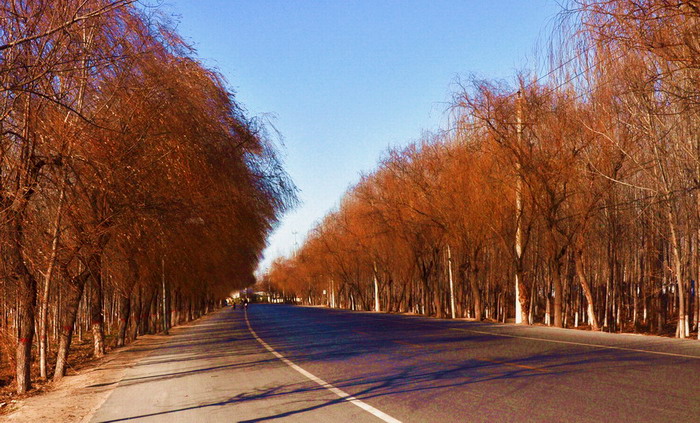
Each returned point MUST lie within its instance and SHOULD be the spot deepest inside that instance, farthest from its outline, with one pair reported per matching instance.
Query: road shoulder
(77, 397)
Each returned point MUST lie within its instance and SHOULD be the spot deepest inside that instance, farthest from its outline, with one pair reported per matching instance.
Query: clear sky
(345, 80)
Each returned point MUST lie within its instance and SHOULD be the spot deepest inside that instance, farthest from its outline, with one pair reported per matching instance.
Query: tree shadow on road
(398, 362)
(421, 377)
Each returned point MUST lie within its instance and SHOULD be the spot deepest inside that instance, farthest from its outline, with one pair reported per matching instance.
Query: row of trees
(134, 191)
(572, 200)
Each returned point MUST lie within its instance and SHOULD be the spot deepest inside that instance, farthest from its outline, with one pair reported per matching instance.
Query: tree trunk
(376, 290)
(96, 313)
(74, 291)
(677, 270)
(43, 313)
(27, 293)
(26, 310)
(476, 295)
(165, 297)
(558, 293)
(585, 285)
(124, 314)
(146, 313)
(452, 287)
(523, 294)
(136, 325)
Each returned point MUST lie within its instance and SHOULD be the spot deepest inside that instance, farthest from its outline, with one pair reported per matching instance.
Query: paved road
(295, 364)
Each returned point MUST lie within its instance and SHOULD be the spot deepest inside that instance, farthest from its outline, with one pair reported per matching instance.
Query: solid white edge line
(554, 341)
(583, 344)
(339, 392)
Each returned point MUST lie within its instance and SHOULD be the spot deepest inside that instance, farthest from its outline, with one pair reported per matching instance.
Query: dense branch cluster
(582, 186)
(134, 191)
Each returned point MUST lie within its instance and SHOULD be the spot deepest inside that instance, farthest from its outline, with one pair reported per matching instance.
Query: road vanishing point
(284, 363)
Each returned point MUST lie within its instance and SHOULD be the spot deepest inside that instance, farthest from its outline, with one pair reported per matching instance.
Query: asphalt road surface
(285, 363)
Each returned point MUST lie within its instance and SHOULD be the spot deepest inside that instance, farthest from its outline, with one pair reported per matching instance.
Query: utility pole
(519, 213)
(452, 287)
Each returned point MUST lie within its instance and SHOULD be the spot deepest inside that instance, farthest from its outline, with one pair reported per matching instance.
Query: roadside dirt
(76, 397)
(80, 357)
(86, 387)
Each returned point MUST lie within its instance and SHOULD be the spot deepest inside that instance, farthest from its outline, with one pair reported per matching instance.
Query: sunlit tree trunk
(585, 285)
(376, 287)
(43, 314)
(677, 273)
(452, 288)
(96, 309)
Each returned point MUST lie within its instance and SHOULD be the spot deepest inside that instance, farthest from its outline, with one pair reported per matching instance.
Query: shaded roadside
(75, 398)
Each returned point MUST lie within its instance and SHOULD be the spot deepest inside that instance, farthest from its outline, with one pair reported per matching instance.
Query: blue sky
(345, 80)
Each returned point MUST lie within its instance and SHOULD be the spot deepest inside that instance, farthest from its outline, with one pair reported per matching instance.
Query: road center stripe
(339, 392)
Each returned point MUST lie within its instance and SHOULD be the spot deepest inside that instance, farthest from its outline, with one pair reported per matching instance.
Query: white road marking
(339, 392)
(555, 341)
(583, 344)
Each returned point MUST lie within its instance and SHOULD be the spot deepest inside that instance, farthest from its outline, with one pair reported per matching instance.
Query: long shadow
(377, 384)
(408, 379)
(442, 361)
(261, 394)
(175, 375)
(470, 372)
